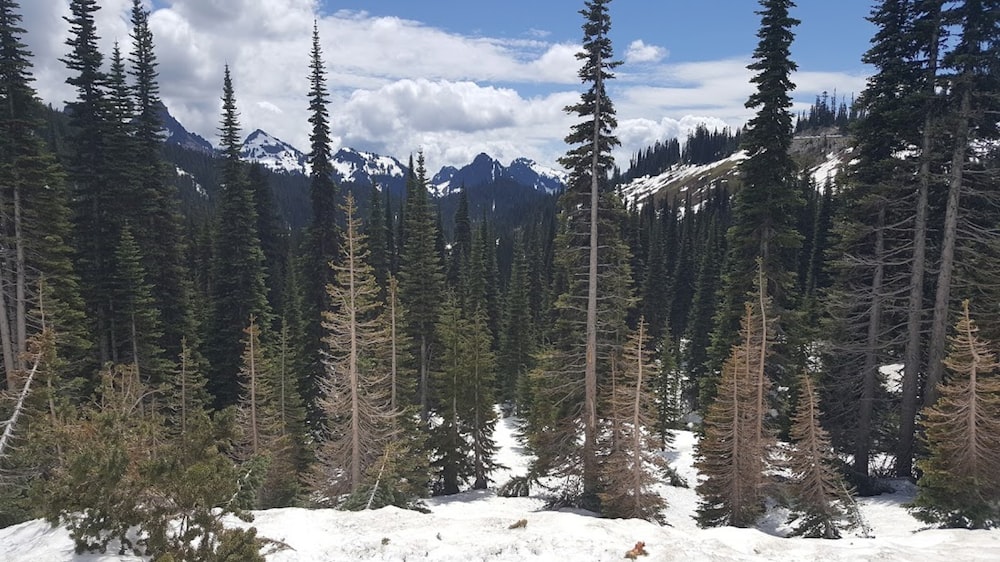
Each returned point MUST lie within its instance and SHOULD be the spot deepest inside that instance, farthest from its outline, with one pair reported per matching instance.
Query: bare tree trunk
(393, 344)
(20, 299)
(425, 409)
(759, 370)
(352, 367)
(590, 475)
(135, 344)
(939, 324)
(6, 338)
(637, 426)
(184, 381)
(254, 437)
(869, 372)
(911, 355)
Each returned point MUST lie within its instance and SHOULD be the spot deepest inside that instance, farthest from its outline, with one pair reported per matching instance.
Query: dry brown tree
(960, 485)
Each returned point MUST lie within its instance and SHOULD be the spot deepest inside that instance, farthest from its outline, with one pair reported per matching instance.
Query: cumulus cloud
(398, 85)
(639, 52)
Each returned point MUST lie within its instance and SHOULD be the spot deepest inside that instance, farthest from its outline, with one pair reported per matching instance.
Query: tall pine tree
(767, 206)
(238, 287)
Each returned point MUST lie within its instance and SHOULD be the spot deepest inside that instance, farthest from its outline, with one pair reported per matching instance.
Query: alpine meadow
(761, 329)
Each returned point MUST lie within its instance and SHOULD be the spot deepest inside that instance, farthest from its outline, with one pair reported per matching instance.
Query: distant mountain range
(367, 168)
(175, 133)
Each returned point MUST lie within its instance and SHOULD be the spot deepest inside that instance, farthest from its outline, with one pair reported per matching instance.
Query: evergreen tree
(668, 385)
(463, 442)
(95, 198)
(899, 107)
(584, 231)
(35, 229)
(264, 442)
(421, 281)
(188, 398)
(322, 238)
(450, 460)
(157, 224)
(974, 84)
(626, 471)
(767, 206)
(959, 486)
(238, 285)
(136, 320)
(819, 496)
(517, 336)
(733, 454)
(356, 397)
(461, 247)
(377, 231)
(273, 236)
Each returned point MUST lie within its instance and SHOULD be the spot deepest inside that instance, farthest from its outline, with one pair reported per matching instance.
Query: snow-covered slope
(476, 526)
(681, 177)
(368, 168)
(486, 170)
(273, 153)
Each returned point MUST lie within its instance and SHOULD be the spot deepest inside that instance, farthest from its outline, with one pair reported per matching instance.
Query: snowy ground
(476, 526)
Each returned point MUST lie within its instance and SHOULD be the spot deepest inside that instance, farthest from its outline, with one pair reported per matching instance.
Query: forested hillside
(187, 335)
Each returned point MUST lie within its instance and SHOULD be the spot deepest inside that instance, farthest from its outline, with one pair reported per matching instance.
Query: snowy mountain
(681, 179)
(479, 525)
(485, 170)
(368, 168)
(528, 172)
(175, 133)
(273, 153)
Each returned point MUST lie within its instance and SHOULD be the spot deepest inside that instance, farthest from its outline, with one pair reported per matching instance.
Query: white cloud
(397, 85)
(639, 52)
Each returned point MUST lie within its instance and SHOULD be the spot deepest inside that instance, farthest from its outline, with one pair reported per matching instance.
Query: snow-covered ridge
(640, 189)
(485, 170)
(273, 153)
(358, 166)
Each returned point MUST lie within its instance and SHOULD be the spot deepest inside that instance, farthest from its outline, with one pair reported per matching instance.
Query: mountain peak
(175, 133)
(274, 153)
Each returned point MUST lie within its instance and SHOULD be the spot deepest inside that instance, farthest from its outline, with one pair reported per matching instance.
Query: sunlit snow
(477, 526)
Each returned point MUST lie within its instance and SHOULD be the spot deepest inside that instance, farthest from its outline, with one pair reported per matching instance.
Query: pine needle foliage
(960, 486)
(628, 470)
(733, 453)
(819, 496)
(356, 391)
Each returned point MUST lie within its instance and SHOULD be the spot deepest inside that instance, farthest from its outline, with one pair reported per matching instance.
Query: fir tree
(626, 471)
(322, 237)
(584, 232)
(238, 285)
(96, 234)
(36, 228)
(767, 207)
(157, 224)
(959, 486)
(734, 451)
(264, 441)
(668, 385)
(136, 320)
(451, 460)
(356, 397)
(819, 496)
(461, 247)
(421, 281)
(517, 337)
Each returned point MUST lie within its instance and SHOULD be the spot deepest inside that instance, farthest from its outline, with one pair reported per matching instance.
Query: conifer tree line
(185, 359)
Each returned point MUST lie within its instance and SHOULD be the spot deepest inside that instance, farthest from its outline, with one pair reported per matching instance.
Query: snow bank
(477, 526)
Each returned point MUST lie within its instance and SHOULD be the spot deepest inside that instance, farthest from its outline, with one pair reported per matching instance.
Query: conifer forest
(175, 357)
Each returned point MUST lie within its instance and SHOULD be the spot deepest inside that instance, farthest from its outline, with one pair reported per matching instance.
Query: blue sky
(455, 78)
